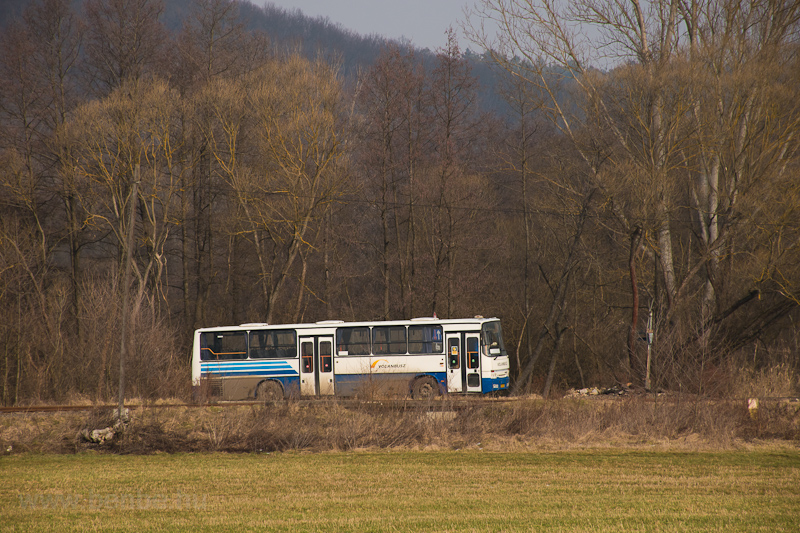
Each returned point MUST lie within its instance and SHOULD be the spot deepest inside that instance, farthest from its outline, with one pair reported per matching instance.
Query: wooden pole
(126, 281)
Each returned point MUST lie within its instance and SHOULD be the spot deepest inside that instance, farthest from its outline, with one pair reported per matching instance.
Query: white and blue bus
(423, 357)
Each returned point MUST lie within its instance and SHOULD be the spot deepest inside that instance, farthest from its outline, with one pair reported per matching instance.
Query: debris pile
(101, 436)
(617, 390)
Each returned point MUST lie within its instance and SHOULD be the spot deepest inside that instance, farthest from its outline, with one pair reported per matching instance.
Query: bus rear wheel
(425, 388)
(269, 391)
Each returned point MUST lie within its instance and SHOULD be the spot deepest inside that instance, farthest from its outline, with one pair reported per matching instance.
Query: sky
(423, 22)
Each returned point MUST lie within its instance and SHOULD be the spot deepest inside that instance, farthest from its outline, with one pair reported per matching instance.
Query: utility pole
(126, 281)
(649, 349)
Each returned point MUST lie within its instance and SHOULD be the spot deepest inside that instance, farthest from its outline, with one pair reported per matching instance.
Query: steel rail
(437, 404)
(390, 405)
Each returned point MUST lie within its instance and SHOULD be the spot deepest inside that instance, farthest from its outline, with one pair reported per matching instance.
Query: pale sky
(423, 22)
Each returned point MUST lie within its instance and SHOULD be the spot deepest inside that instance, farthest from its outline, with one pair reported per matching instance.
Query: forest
(632, 214)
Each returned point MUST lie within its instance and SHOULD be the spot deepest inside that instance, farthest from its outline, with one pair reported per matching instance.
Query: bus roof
(342, 324)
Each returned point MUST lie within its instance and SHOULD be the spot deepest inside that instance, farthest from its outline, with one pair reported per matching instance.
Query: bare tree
(452, 183)
(36, 56)
(686, 98)
(125, 135)
(519, 157)
(390, 103)
(292, 127)
(124, 40)
(56, 58)
(214, 43)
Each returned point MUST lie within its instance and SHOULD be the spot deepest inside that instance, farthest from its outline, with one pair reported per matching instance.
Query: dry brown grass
(334, 426)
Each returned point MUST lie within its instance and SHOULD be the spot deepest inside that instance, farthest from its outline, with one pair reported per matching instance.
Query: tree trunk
(633, 360)
(552, 370)
(559, 303)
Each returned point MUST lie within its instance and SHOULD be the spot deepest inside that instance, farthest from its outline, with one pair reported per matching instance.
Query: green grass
(597, 490)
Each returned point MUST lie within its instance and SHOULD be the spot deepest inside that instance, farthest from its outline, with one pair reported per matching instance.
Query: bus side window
(380, 340)
(455, 356)
(473, 359)
(207, 352)
(425, 340)
(223, 346)
(353, 341)
(307, 351)
(325, 358)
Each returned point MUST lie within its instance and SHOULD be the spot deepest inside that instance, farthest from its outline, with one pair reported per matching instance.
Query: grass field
(590, 490)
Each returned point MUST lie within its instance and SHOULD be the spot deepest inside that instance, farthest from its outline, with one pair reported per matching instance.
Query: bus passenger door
(472, 362)
(325, 366)
(308, 378)
(454, 381)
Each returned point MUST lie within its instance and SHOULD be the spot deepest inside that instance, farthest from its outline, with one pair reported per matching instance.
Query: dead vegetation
(333, 426)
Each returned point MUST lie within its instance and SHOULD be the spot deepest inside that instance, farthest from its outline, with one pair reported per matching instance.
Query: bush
(341, 426)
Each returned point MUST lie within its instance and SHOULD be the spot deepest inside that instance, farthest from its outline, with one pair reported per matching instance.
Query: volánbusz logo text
(383, 364)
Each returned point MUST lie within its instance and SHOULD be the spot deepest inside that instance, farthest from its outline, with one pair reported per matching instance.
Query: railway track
(440, 404)
(377, 405)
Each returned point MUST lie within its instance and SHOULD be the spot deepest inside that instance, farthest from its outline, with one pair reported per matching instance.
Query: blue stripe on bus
(244, 373)
(245, 365)
(245, 368)
(248, 368)
(243, 362)
(216, 370)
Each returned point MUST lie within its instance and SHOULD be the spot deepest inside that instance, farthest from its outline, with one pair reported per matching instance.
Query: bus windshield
(493, 339)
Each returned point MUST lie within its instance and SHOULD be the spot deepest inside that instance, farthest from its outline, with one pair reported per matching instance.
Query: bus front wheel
(425, 388)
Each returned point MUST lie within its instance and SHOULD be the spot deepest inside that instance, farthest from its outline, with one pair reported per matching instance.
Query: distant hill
(9, 10)
(319, 34)
(286, 28)
(313, 35)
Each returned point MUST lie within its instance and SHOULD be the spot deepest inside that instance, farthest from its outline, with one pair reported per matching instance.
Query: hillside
(313, 35)
(284, 27)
